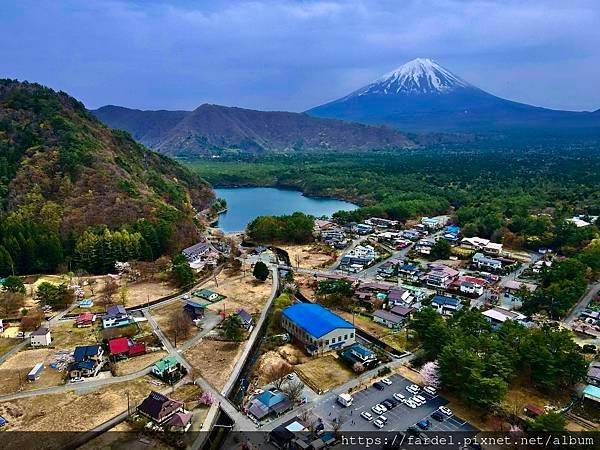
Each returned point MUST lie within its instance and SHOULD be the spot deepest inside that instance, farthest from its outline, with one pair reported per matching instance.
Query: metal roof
(314, 319)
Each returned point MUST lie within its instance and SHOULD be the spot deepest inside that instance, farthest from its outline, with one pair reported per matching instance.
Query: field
(310, 256)
(288, 355)
(71, 411)
(395, 339)
(163, 316)
(214, 360)
(241, 292)
(66, 336)
(124, 435)
(13, 373)
(6, 344)
(324, 373)
(136, 363)
(143, 291)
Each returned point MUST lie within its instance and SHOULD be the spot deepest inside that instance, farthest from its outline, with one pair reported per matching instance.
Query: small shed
(532, 410)
(35, 372)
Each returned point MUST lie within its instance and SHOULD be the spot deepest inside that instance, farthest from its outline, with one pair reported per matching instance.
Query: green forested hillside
(73, 191)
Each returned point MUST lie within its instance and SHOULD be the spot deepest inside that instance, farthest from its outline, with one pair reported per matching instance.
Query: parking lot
(399, 418)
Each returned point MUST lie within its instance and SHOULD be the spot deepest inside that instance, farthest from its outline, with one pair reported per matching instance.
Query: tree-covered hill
(63, 173)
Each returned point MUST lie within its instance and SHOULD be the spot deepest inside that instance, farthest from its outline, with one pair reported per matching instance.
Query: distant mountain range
(213, 129)
(422, 96)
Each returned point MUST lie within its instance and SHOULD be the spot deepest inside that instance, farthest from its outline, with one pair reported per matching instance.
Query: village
(289, 339)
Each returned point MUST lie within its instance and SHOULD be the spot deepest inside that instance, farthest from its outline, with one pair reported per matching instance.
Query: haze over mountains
(423, 96)
(210, 129)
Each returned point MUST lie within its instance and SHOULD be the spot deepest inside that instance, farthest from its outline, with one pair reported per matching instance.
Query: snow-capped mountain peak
(419, 76)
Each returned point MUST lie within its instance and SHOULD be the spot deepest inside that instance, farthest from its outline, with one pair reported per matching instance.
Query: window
(351, 335)
(340, 339)
(345, 336)
(327, 342)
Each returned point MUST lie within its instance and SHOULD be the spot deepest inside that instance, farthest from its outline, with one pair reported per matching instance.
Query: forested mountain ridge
(63, 172)
(214, 129)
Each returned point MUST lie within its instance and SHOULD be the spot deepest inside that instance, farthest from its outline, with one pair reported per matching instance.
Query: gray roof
(40, 331)
(386, 315)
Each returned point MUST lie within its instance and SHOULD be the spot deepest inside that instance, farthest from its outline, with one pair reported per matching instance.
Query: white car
(421, 398)
(377, 410)
(410, 404)
(378, 423)
(399, 397)
(417, 401)
(445, 410)
(382, 407)
(430, 390)
(413, 389)
(366, 415)
(386, 381)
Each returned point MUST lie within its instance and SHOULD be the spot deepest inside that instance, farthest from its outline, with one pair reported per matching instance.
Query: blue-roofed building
(446, 305)
(359, 354)
(88, 360)
(317, 328)
(269, 403)
(592, 393)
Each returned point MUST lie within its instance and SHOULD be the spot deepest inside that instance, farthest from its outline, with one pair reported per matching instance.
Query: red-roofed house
(85, 320)
(472, 285)
(137, 349)
(118, 346)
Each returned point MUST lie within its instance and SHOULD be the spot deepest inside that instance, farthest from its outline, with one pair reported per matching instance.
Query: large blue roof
(314, 319)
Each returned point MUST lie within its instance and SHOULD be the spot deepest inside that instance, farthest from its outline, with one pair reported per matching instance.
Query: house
(424, 246)
(446, 305)
(388, 319)
(540, 265)
(86, 303)
(207, 294)
(165, 367)
(497, 316)
(441, 276)
(269, 403)
(41, 337)
(196, 251)
(471, 285)
(359, 354)
(592, 393)
(435, 223)
(284, 435)
(137, 348)
(483, 262)
(398, 296)
(493, 249)
(474, 243)
(593, 375)
(402, 311)
(583, 220)
(409, 272)
(363, 228)
(194, 310)
(513, 287)
(85, 320)
(115, 316)
(159, 408)
(118, 347)
(533, 411)
(317, 328)
(88, 360)
(180, 422)
(35, 372)
(245, 318)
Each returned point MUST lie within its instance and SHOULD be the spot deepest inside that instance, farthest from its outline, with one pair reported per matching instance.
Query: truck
(345, 400)
(35, 372)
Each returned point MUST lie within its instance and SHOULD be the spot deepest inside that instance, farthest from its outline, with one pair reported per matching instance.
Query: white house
(317, 328)
(441, 276)
(446, 305)
(41, 337)
(484, 262)
(497, 316)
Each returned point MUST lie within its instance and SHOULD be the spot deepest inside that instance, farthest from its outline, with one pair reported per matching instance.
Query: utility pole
(128, 410)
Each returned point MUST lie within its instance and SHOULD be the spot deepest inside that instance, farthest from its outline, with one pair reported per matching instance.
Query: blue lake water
(245, 204)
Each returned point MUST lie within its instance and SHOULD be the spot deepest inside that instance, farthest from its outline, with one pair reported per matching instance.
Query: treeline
(296, 228)
(479, 365)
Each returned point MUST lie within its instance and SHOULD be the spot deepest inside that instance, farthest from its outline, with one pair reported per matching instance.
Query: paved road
(593, 290)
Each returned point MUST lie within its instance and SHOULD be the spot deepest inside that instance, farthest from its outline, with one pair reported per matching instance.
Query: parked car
(378, 423)
(399, 397)
(393, 402)
(383, 419)
(412, 431)
(424, 424)
(377, 410)
(413, 389)
(382, 407)
(366, 415)
(417, 401)
(387, 404)
(386, 381)
(445, 410)
(379, 386)
(410, 404)
(430, 390)
(3, 421)
(438, 416)
(421, 398)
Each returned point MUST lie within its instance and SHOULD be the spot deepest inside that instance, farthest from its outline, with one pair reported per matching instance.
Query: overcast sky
(292, 55)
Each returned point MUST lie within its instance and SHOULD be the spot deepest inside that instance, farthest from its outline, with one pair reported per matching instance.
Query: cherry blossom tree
(430, 374)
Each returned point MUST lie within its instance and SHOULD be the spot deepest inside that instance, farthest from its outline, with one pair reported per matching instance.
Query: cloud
(292, 55)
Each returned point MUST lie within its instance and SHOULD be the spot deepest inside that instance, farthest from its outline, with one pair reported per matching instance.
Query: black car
(393, 401)
(412, 431)
(438, 416)
(387, 404)
(379, 386)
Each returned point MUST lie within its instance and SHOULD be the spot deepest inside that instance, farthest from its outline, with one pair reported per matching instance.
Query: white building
(317, 328)
(497, 316)
(41, 337)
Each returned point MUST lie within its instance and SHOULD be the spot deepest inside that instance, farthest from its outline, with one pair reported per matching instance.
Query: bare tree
(337, 424)
(358, 367)
(110, 289)
(293, 389)
(180, 325)
(276, 374)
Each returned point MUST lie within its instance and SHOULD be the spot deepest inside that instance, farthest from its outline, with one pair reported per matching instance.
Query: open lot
(324, 373)
(399, 418)
(66, 336)
(242, 291)
(124, 435)
(6, 344)
(13, 373)
(141, 292)
(214, 360)
(311, 256)
(132, 365)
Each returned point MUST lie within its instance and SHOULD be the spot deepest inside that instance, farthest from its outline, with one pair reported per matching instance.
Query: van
(345, 400)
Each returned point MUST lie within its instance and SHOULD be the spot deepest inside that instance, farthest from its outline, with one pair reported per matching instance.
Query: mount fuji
(423, 96)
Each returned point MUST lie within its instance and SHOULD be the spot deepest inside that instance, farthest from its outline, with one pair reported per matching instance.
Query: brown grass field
(242, 291)
(312, 256)
(324, 373)
(136, 363)
(214, 360)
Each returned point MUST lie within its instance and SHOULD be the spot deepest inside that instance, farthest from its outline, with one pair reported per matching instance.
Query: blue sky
(292, 55)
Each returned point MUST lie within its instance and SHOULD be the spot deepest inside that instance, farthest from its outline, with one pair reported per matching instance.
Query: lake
(244, 204)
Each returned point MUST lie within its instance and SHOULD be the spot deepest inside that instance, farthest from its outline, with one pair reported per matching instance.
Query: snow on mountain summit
(419, 76)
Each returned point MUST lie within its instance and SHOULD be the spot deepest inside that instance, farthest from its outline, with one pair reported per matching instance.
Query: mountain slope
(64, 171)
(212, 129)
(422, 96)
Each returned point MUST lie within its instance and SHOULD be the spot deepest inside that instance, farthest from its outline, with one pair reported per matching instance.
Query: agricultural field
(312, 256)
(6, 343)
(324, 373)
(132, 365)
(141, 292)
(214, 360)
(66, 336)
(241, 291)
(13, 372)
